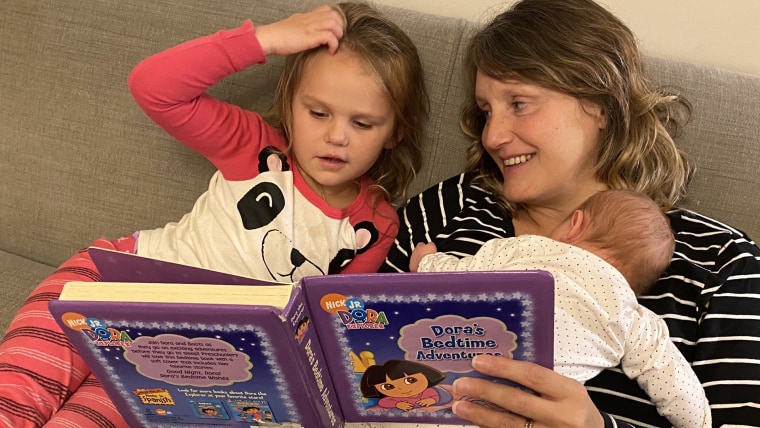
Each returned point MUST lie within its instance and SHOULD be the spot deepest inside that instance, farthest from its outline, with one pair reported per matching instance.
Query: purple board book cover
(186, 365)
(176, 364)
(430, 324)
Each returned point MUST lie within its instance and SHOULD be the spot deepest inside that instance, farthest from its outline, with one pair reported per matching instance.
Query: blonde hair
(392, 55)
(579, 48)
(631, 233)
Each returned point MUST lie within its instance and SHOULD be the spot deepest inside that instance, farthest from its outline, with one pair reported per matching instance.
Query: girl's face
(342, 119)
(407, 386)
(544, 141)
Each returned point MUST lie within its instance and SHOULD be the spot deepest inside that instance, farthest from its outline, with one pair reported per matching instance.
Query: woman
(560, 109)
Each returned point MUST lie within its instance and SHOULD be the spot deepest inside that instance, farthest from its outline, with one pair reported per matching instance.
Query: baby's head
(625, 228)
(389, 54)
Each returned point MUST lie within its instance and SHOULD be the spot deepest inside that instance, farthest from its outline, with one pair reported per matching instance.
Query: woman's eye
(518, 105)
(409, 380)
(387, 387)
(318, 114)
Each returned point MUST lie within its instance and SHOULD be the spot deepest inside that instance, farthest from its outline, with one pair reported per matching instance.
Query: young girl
(306, 193)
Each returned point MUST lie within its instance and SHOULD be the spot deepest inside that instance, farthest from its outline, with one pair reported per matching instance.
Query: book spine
(312, 363)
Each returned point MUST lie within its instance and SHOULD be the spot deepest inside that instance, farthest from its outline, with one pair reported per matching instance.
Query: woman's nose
(497, 131)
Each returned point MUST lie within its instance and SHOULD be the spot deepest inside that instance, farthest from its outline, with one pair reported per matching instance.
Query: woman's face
(543, 140)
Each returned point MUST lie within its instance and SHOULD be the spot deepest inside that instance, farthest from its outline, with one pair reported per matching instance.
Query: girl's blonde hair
(579, 48)
(392, 55)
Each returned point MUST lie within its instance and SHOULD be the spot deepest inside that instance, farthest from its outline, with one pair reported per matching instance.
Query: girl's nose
(337, 134)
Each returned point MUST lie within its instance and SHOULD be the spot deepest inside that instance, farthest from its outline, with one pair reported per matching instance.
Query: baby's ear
(578, 226)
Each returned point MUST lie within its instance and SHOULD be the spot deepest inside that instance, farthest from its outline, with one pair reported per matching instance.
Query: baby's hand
(420, 251)
(301, 31)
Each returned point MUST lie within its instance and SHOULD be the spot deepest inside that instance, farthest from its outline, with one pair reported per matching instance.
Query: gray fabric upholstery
(79, 160)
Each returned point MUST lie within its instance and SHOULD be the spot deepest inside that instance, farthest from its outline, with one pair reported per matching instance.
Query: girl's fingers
(302, 31)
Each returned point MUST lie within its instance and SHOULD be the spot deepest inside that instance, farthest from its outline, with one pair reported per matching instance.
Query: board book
(172, 351)
(398, 341)
(175, 345)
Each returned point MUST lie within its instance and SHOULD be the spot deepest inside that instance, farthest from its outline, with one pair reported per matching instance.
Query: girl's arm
(170, 87)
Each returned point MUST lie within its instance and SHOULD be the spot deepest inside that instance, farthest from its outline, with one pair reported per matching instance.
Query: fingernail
(454, 386)
(475, 361)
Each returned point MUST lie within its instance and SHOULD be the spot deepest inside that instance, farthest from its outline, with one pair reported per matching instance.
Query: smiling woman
(544, 140)
(559, 109)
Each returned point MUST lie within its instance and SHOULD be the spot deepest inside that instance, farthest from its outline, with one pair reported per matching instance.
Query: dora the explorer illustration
(401, 384)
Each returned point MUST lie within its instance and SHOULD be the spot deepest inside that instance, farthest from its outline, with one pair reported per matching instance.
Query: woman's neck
(543, 219)
(536, 222)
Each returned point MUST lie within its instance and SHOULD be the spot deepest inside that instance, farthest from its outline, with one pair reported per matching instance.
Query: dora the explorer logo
(97, 330)
(353, 312)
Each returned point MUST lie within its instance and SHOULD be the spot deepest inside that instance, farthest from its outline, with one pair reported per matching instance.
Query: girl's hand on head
(301, 31)
(561, 402)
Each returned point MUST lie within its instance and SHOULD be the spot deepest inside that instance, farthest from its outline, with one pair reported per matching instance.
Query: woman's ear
(602, 119)
(597, 111)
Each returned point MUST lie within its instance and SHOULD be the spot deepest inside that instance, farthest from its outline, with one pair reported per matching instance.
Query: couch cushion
(20, 275)
(723, 139)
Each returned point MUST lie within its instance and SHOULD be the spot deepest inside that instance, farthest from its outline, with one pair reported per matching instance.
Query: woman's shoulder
(687, 221)
(707, 241)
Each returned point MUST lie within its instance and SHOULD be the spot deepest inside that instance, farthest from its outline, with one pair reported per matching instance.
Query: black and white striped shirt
(709, 297)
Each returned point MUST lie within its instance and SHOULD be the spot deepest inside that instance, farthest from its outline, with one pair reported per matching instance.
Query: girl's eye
(318, 114)
(409, 380)
(387, 387)
(362, 125)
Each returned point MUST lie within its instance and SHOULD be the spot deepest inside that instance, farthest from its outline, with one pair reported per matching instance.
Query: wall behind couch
(721, 34)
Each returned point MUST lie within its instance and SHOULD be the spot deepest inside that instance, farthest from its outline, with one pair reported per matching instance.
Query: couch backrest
(79, 160)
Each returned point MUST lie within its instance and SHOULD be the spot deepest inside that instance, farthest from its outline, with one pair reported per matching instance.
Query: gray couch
(79, 160)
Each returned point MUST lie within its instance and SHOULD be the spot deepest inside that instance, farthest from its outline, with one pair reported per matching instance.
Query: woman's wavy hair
(579, 48)
(392, 55)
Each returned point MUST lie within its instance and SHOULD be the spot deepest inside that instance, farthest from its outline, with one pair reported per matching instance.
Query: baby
(613, 247)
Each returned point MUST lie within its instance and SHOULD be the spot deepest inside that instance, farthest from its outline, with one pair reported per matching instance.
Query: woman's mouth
(516, 160)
